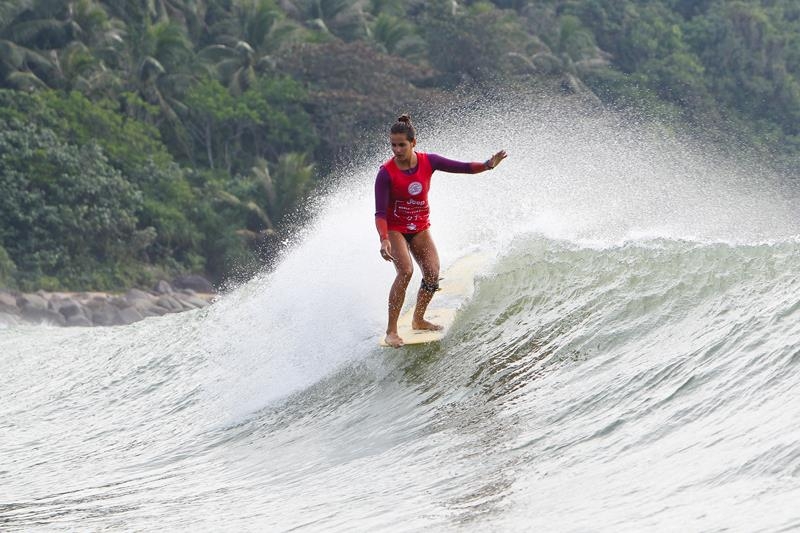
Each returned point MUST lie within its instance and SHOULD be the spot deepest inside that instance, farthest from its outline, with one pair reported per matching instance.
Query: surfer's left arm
(382, 194)
(458, 167)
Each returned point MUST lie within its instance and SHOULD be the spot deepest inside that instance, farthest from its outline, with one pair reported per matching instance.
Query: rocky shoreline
(104, 309)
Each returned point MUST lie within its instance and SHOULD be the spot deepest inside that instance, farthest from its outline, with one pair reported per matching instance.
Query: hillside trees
(209, 119)
(470, 43)
(727, 65)
(133, 174)
(155, 87)
(752, 68)
(64, 211)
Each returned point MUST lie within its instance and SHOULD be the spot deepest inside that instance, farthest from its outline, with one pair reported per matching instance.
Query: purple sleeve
(382, 190)
(448, 165)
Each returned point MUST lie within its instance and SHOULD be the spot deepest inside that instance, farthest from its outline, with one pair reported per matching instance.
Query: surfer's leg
(405, 268)
(424, 251)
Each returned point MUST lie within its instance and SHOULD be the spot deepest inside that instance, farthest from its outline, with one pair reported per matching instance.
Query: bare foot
(424, 324)
(394, 340)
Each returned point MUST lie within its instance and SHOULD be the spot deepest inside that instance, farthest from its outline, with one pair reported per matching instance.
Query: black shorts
(409, 236)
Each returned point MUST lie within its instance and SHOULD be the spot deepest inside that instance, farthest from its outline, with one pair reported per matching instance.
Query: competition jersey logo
(415, 188)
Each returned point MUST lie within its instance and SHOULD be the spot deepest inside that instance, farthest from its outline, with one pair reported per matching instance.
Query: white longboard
(456, 287)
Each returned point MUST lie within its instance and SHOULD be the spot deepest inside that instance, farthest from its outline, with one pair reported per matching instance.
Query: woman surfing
(402, 219)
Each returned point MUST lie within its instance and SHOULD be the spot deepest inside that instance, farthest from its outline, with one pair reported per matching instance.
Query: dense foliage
(142, 138)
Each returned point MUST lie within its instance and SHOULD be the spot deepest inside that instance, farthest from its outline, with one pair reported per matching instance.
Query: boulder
(163, 287)
(78, 321)
(129, 315)
(196, 301)
(7, 300)
(106, 315)
(97, 302)
(148, 308)
(31, 300)
(68, 307)
(101, 309)
(194, 282)
(9, 310)
(185, 306)
(135, 294)
(8, 303)
(190, 301)
(8, 319)
(40, 316)
(119, 302)
(169, 303)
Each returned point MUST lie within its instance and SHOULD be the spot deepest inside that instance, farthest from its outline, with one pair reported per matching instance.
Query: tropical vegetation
(144, 138)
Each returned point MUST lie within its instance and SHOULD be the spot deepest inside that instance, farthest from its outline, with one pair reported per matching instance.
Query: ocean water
(630, 361)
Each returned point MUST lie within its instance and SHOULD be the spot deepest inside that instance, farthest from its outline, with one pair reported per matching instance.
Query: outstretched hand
(496, 158)
(386, 250)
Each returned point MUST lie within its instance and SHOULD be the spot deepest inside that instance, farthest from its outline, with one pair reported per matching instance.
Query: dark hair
(404, 125)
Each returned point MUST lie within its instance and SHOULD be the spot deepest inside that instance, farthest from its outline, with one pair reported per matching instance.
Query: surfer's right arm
(382, 191)
(460, 167)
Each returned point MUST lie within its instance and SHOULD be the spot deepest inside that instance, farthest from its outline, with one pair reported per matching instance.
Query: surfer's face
(402, 147)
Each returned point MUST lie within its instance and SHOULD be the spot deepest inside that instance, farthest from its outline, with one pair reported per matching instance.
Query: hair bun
(404, 126)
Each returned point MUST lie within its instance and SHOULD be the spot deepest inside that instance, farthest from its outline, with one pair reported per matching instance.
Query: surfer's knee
(430, 286)
(404, 273)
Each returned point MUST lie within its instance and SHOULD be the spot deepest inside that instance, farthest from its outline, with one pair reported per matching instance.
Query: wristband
(487, 163)
(382, 227)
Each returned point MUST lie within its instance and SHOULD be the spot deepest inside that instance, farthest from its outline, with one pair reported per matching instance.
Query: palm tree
(160, 68)
(77, 65)
(22, 68)
(396, 36)
(235, 65)
(189, 13)
(152, 11)
(81, 64)
(245, 42)
(23, 65)
(293, 178)
(57, 44)
(261, 174)
(342, 18)
(571, 54)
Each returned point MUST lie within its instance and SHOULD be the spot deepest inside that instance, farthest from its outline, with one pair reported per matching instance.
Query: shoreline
(99, 308)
